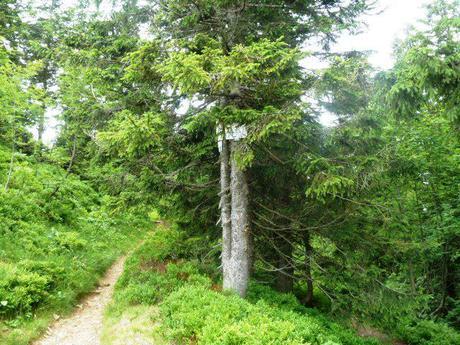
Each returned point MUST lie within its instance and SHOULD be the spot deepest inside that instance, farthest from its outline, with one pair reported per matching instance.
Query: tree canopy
(202, 111)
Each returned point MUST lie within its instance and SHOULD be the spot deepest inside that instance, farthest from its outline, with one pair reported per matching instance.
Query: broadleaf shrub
(53, 245)
(195, 310)
(427, 332)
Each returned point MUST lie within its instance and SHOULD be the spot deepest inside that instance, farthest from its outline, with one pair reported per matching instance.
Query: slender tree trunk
(284, 279)
(69, 168)
(41, 120)
(308, 300)
(10, 169)
(225, 210)
(239, 265)
(41, 127)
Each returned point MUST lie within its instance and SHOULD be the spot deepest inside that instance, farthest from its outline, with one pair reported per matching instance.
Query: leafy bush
(194, 309)
(52, 270)
(157, 280)
(71, 240)
(156, 269)
(163, 270)
(428, 332)
(53, 246)
(195, 312)
(21, 290)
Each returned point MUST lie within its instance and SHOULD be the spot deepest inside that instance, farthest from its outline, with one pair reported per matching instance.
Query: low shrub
(71, 240)
(21, 290)
(427, 332)
(156, 269)
(52, 270)
(53, 245)
(209, 317)
(193, 308)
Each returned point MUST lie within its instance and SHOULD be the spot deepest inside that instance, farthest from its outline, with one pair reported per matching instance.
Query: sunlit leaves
(17, 98)
(133, 136)
(187, 72)
(213, 72)
(328, 180)
(428, 68)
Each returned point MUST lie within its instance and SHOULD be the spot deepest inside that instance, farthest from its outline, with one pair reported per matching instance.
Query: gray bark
(225, 210)
(41, 121)
(239, 265)
(41, 128)
(10, 169)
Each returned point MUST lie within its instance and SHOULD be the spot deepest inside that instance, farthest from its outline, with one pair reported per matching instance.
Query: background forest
(355, 225)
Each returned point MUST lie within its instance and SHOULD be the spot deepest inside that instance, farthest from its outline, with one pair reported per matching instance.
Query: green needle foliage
(358, 221)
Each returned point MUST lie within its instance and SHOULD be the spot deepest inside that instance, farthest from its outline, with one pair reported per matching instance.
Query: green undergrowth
(57, 237)
(190, 308)
(194, 310)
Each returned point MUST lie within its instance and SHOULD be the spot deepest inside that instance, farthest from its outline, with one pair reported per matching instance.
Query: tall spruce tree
(241, 60)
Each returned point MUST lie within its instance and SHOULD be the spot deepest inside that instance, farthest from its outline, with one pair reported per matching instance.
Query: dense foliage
(359, 220)
(165, 270)
(53, 245)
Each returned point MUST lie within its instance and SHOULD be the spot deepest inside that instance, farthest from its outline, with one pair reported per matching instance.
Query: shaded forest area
(200, 113)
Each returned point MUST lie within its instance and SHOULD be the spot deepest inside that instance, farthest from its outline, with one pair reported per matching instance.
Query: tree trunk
(10, 169)
(284, 279)
(69, 168)
(225, 210)
(239, 265)
(308, 300)
(41, 127)
(41, 120)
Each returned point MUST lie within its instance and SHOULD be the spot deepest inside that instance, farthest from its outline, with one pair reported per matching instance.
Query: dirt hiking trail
(84, 326)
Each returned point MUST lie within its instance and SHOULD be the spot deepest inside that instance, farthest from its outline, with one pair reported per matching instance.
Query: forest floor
(100, 320)
(85, 325)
